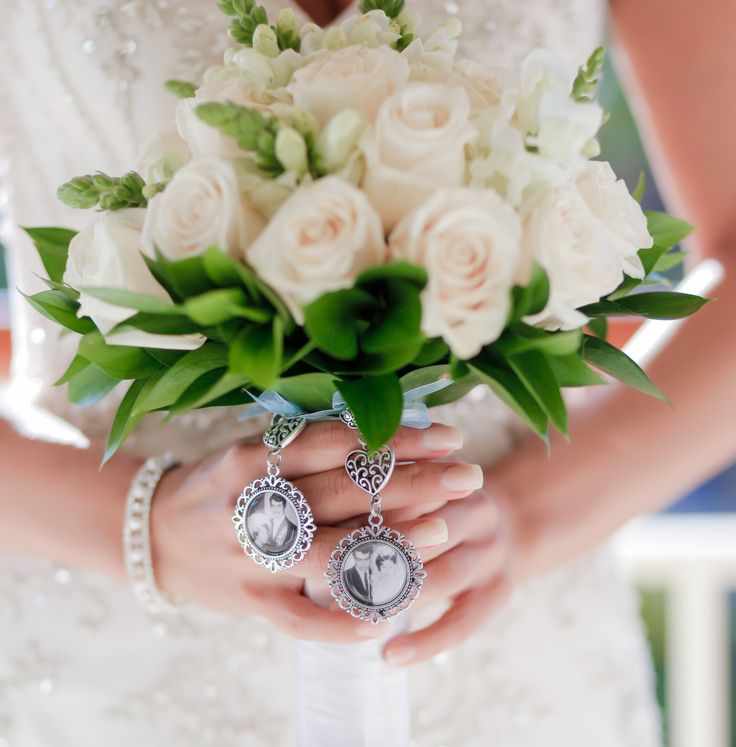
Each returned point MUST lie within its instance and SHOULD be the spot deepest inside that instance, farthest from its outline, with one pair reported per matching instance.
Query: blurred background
(683, 561)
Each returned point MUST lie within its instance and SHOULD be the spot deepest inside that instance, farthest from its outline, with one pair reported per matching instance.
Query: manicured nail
(442, 438)
(400, 656)
(429, 533)
(463, 477)
(368, 630)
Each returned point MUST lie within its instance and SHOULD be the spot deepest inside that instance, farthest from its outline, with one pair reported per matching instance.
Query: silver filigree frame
(295, 554)
(375, 531)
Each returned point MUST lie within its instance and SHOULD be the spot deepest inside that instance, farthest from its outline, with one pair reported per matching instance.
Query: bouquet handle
(348, 694)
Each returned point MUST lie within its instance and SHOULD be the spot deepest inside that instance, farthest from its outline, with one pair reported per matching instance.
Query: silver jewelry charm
(273, 520)
(374, 573)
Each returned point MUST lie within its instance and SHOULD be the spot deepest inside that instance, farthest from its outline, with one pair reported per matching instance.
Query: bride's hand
(196, 555)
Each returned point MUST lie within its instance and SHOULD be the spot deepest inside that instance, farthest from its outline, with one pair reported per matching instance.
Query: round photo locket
(273, 520)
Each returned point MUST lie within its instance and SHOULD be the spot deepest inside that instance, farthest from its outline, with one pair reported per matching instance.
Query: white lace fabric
(80, 664)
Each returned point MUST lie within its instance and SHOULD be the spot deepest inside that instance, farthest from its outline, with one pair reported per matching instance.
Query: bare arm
(632, 454)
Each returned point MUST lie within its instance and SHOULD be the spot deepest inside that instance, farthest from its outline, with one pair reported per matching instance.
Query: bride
(560, 661)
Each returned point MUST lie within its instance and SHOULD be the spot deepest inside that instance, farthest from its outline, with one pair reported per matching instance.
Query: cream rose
(484, 85)
(323, 236)
(203, 139)
(163, 155)
(107, 254)
(575, 248)
(469, 242)
(416, 147)
(201, 207)
(359, 78)
(610, 201)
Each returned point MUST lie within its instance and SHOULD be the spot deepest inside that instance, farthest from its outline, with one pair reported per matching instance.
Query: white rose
(431, 57)
(320, 240)
(107, 254)
(469, 242)
(163, 155)
(622, 215)
(372, 29)
(201, 207)
(485, 85)
(575, 248)
(203, 139)
(416, 147)
(360, 78)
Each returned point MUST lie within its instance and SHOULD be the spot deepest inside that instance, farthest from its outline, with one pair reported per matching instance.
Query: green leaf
(432, 351)
(177, 379)
(654, 305)
(58, 307)
(388, 361)
(550, 343)
(207, 389)
(616, 363)
(377, 403)
(399, 324)
(669, 260)
(393, 271)
(132, 300)
(311, 391)
(455, 391)
(423, 376)
(507, 386)
(89, 385)
(117, 360)
(599, 327)
(52, 245)
(183, 278)
(666, 230)
(257, 352)
(181, 88)
(220, 305)
(641, 185)
(535, 373)
(156, 324)
(332, 321)
(532, 298)
(77, 365)
(571, 371)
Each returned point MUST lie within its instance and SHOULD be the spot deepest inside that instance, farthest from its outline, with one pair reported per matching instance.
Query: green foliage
(119, 361)
(257, 352)
(599, 327)
(532, 298)
(377, 403)
(654, 305)
(588, 77)
(247, 16)
(89, 384)
(182, 89)
(641, 185)
(311, 391)
(109, 192)
(392, 8)
(666, 230)
(58, 307)
(52, 245)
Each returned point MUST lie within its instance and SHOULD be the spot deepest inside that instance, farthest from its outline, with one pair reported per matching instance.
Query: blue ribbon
(414, 415)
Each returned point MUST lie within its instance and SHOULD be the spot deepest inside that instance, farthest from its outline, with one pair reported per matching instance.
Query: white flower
(360, 78)
(610, 201)
(338, 141)
(575, 248)
(416, 147)
(324, 235)
(163, 155)
(107, 254)
(203, 139)
(431, 57)
(372, 29)
(558, 126)
(469, 242)
(484, 85)
(201, 207)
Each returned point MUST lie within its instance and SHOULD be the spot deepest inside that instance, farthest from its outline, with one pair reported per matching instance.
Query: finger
(302, 619)
(422, 533)
(461, 568)
(334, 497)
(466, 615)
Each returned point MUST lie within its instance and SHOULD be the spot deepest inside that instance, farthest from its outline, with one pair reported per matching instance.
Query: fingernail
(432, 532)
(400, 657)
(443, 438)
(463, 477)
(368, 630)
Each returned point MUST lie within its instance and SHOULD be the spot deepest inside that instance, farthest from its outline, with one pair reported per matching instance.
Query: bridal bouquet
(352, 211)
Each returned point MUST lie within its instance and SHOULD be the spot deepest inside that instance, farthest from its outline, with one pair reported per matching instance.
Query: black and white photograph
(272, 523)
(375, 573)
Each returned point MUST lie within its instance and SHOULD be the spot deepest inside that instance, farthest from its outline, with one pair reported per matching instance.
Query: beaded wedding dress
(564, 664)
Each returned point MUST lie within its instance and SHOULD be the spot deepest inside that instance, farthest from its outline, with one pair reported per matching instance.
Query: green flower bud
(291, 150)
(265, 41)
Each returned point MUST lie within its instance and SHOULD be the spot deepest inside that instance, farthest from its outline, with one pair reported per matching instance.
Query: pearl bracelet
(137, 536)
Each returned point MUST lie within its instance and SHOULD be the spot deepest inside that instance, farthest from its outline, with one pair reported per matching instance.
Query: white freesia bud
(291, 150)
(323, 237)
(286, 22)
(609, 199)
(416, 147)
(339, 139)
(107, 254)
(334, 39)
(202, 207)
(469, 242)
(163, 155)
(254, 66)
(265, 41)
(352, 78)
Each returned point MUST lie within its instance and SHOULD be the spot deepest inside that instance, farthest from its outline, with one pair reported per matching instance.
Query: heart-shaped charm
(370, 471)
(283, 431)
